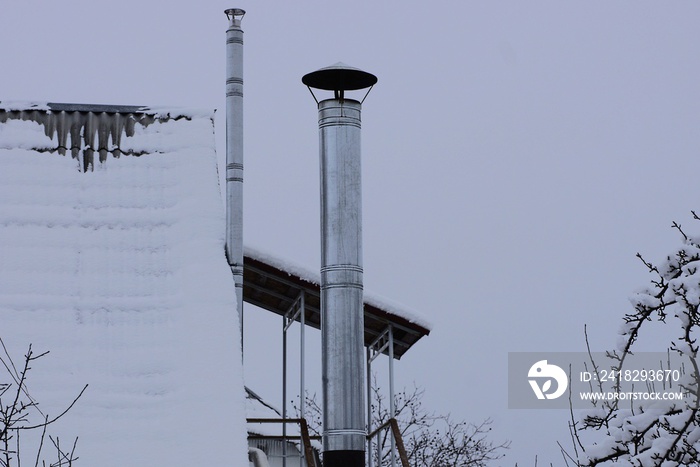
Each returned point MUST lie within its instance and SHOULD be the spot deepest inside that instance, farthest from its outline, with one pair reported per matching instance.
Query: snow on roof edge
(176, 112)
(283, 264)
(24, 105)
(309, 275)
(160, 112)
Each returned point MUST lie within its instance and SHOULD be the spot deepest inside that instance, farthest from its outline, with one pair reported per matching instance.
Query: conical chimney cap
(339, 77)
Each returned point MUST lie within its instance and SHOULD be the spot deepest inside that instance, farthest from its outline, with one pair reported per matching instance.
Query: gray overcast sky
(516, 155)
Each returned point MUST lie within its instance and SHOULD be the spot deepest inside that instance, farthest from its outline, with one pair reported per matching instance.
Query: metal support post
(370, 461)
(302, 354)
(284, 390)
(302, 388)
(392, 403)
(383, 343)
(297, 309)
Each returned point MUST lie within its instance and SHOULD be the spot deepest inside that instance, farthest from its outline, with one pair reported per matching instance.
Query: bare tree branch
(430, 439)
(17, 411)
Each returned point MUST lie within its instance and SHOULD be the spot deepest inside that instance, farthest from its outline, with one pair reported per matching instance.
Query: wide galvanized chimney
(342, 316)
(234, 152)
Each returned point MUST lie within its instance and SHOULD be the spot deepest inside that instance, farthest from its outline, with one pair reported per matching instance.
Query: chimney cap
(339, 77)
(235, 14)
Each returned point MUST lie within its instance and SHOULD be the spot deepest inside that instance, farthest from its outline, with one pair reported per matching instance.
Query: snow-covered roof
(115, 266)
(274, 284)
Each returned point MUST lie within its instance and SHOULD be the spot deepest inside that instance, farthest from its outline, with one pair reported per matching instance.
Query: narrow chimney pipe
(234, 153)
(342, 313)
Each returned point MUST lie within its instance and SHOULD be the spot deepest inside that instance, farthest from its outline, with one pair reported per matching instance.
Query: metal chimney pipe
(342, 314)
(234, 153)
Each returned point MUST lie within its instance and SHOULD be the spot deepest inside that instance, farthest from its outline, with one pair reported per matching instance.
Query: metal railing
(309, 455)
(308, 452)
(393, 426)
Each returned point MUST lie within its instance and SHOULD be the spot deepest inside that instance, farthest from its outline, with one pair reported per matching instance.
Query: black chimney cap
(339, 77)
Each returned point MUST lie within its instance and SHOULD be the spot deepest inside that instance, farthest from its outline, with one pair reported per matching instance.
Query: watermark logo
(540, 377)
(578, 380)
